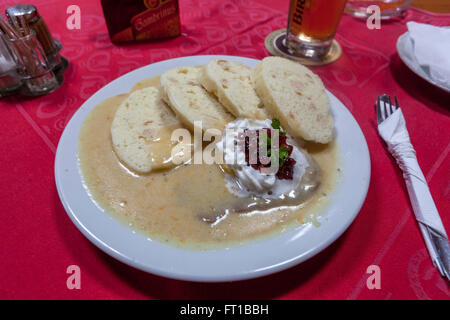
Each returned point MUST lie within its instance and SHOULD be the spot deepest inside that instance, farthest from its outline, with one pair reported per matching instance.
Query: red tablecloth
(38, 241)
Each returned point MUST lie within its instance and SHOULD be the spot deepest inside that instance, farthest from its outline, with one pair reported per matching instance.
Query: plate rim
(414, 67)
(172, 272)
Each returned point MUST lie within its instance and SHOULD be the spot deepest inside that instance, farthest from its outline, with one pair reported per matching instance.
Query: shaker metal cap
(28, 11)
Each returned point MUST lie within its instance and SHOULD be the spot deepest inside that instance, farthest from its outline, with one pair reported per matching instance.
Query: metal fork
(387, 109)
(437, 245)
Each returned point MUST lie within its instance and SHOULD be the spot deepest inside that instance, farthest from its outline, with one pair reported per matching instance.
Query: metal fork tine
(385, 110)
(389, 108)
(396, 103)
(393, 108)
(379, 118)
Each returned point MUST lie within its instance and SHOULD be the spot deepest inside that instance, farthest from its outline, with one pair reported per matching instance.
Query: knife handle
(439, 249)
(425, 210)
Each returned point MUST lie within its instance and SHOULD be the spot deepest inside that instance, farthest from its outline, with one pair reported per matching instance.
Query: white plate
(406, 53)
(248, 261)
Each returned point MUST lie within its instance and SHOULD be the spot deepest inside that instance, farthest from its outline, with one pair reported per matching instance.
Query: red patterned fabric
(38, 241)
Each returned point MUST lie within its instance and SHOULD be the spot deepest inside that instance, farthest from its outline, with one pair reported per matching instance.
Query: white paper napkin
(393, 131)
(431, 47)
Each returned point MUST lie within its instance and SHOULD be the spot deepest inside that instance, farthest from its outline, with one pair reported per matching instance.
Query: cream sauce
(174, 205)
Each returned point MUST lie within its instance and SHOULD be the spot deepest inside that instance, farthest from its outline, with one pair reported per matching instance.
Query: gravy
(168, 205)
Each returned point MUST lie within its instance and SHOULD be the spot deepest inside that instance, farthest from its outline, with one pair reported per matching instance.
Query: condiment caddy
(30, 59)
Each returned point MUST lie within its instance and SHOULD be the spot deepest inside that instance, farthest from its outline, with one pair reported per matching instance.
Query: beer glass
(311, 27)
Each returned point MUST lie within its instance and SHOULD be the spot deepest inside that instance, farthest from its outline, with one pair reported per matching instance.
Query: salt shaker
(33, 65)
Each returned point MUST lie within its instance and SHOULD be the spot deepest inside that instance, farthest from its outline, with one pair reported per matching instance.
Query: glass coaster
(275, 44)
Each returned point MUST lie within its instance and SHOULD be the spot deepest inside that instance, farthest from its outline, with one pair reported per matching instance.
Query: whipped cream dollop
(248, 181)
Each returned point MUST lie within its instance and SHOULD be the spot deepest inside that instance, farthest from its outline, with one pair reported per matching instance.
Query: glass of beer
(311, 27)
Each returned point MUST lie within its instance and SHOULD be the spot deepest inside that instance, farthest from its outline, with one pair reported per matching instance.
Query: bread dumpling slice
(296, 96)
(141, 131)
(190, 101)
(230, 82)
(178, 75)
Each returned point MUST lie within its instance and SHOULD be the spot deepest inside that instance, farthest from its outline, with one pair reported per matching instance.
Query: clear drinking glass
(388, 8)
(311, 27)
(33, 65)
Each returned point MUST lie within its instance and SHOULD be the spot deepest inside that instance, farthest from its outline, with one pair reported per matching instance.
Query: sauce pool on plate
(186, 206)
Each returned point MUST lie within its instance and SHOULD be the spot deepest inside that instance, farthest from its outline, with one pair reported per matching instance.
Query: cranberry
(286, 171)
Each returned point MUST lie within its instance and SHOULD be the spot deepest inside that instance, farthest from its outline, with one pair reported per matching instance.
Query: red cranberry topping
(286, 169)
